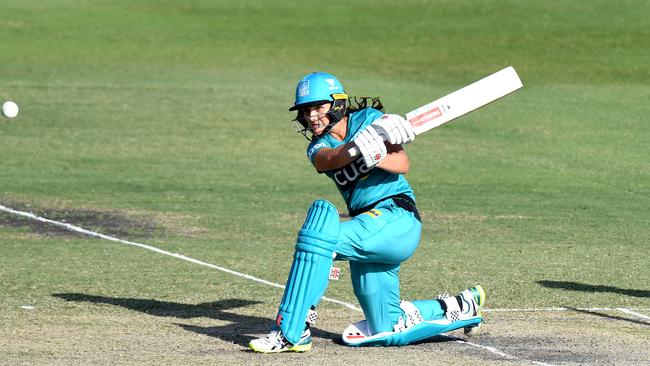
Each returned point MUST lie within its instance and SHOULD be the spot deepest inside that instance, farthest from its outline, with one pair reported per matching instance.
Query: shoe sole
(301, 348)
(296, 348)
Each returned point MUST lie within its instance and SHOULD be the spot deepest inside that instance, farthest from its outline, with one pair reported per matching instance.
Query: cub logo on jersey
(346, 176)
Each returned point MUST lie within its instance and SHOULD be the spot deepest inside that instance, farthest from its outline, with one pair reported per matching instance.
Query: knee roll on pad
(309, 274)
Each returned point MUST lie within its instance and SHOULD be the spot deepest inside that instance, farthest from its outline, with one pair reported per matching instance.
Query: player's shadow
(609, 316)
(236, 331)
(576, 286)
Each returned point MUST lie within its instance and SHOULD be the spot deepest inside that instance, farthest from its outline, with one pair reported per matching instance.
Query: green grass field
(165, 123)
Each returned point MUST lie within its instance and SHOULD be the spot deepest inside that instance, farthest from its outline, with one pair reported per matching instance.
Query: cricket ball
(9, 109)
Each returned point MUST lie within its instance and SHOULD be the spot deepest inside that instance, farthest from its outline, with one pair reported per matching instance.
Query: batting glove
(394, 129)
(371, 146)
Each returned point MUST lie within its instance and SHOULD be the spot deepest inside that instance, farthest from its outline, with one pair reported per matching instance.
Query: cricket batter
(383, 232)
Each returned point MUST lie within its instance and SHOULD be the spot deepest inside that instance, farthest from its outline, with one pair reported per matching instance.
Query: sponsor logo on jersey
(373, 213)
(346, 176)
(315, 148)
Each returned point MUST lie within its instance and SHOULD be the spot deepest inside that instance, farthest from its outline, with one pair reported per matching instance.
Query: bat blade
(464, 100)
(461, 102)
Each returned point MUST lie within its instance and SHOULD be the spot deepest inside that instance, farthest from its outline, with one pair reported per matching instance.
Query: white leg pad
(358, 333)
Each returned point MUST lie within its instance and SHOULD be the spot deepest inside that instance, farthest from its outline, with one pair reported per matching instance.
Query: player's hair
(354, 104)
(359, 103)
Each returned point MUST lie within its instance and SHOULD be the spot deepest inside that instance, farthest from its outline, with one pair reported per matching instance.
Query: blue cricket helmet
(316, 88)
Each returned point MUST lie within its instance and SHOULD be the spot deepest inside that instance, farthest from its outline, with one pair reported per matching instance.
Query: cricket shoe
(275, 342)
(473, 300)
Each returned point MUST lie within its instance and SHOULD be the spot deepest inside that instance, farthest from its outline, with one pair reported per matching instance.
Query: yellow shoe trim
(481, 292)
(295, 348)
(301, 347)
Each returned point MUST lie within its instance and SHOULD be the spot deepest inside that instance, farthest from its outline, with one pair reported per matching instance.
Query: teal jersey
(359, 185)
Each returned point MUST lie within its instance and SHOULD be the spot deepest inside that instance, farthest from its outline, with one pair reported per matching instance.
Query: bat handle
(353, 151)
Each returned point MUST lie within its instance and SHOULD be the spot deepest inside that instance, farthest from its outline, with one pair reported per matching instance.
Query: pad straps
(451, 306)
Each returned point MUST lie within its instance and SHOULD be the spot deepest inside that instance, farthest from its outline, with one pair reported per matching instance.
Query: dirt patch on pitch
(567, 338)
(110, 223)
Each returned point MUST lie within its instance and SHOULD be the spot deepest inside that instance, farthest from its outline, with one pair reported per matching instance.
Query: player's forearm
(328, 159)
(395, 162)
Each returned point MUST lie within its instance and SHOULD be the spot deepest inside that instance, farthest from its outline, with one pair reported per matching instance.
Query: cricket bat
(461, 102)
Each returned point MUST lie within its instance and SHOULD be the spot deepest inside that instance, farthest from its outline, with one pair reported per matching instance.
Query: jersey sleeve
(362, 119)
(373, 115)
(314, 147)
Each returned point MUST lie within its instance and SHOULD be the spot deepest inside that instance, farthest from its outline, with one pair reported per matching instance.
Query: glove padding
(371, 146)
(394, 129)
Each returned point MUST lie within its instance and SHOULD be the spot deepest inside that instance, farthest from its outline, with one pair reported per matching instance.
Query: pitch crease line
(209, 265)
(628, 311)
(541, 310)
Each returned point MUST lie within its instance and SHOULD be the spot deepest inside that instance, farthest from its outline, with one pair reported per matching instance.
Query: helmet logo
(303, 88)
(332, 83)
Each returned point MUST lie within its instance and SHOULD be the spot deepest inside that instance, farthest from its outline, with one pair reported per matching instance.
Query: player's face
(316, 117)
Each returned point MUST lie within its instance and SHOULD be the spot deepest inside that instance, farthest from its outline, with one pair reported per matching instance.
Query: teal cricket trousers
(376, 243)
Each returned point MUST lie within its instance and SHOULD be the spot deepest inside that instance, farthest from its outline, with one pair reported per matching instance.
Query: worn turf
(165, 122)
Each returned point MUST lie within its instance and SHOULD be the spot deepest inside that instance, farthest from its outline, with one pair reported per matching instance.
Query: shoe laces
(275, 337)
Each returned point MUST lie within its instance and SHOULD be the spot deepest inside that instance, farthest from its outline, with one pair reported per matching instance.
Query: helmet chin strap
(328, 128)
(336, 113)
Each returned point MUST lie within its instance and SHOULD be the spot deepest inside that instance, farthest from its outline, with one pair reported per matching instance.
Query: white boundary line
(252, 278)
(158, 250)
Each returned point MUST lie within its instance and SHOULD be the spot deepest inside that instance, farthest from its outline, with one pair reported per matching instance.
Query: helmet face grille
(335, 115)
(300, 125)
